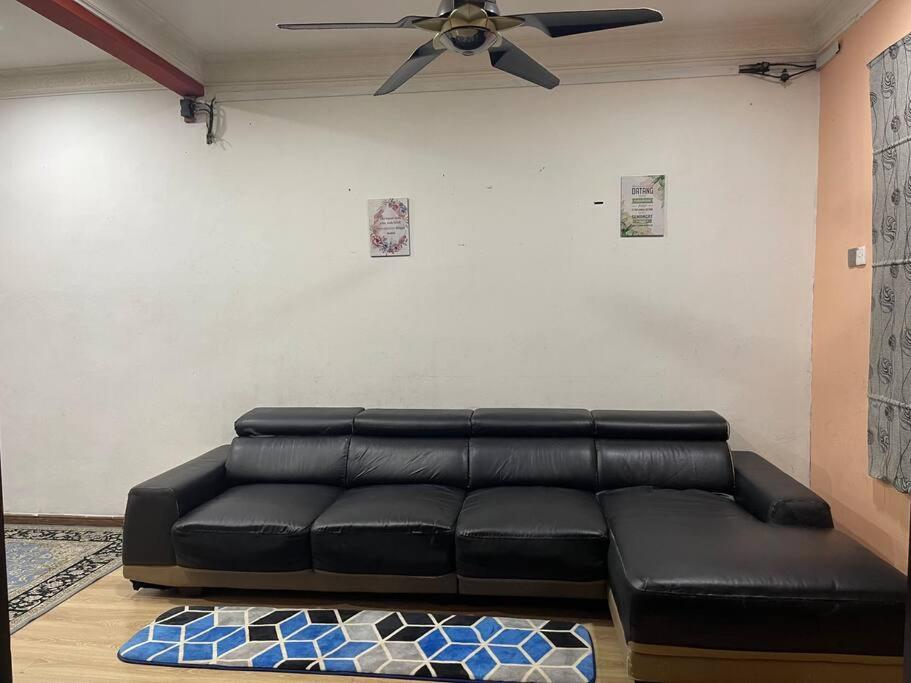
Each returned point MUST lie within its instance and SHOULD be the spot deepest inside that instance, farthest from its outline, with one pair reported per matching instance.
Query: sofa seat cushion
(531, 532)
(400, 530)
(693, 569)
(253, 528)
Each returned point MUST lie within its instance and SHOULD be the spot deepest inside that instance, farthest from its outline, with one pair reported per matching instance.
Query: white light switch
(857, 258)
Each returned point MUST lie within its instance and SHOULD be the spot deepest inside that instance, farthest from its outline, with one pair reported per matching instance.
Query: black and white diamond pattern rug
(394, 644)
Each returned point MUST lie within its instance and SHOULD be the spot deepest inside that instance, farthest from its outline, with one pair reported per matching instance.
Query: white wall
(153, 288)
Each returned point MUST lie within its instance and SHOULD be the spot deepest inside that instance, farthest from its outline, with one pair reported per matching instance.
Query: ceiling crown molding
(76, 79)
(143, 25)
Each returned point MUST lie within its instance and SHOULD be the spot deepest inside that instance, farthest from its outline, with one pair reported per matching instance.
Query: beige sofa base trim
(308, 580)
(667, 664)
(329, 582)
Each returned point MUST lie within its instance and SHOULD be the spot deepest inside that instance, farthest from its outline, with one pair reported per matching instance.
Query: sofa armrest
(774, 497)
(154, 506)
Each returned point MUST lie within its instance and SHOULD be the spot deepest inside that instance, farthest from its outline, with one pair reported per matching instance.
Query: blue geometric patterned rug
(438, 647)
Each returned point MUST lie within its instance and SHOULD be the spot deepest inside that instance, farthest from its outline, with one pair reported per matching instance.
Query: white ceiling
(222, 27)
(227, 29)
(28, 39)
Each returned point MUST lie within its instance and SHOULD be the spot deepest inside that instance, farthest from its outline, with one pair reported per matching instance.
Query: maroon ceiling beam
(77, 19)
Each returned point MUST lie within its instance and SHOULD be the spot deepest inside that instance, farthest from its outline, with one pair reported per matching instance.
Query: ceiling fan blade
(509, 58)
(423, 56)
(407, 22)
(560, 24)
(506, 23)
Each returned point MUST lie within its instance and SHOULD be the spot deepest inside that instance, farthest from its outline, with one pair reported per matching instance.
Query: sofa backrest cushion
(410, 447)
(532, 447)
(673, 450)
(288, 460)
(704, 465)
(374, 460)
(543, 461)
(297, 422)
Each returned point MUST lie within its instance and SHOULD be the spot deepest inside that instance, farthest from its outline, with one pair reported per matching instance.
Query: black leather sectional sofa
(716, 565)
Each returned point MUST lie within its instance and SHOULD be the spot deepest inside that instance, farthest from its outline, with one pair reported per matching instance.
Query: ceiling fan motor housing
(469, 40)
(469, 30)
(449, 6)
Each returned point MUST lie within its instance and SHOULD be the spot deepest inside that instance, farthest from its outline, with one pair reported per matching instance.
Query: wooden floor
(78, 640)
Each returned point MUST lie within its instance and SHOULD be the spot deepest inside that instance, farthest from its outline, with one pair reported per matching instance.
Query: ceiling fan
(469, 27)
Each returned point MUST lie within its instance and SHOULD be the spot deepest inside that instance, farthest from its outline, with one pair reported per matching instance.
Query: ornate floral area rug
(47, 564)
(438, 647)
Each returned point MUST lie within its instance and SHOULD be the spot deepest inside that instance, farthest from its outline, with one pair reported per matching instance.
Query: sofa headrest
(543, 422)
(297, 422)
(425, 423)
(703, 425)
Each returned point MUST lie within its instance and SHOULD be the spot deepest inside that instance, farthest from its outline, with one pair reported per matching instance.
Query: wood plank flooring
(78, 640)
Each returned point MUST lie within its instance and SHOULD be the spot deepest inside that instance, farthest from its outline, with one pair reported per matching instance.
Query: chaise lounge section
(716, 566)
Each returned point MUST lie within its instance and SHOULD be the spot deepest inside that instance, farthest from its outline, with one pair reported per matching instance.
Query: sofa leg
(137, 585)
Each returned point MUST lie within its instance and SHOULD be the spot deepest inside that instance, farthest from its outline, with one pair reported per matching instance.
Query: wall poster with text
(643, 206)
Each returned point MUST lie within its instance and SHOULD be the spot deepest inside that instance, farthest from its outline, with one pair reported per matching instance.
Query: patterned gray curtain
(889, 432)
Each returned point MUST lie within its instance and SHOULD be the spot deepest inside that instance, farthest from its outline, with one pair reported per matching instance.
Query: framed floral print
(390, 227)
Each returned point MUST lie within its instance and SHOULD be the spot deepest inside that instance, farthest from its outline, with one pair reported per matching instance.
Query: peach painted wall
(869, 510)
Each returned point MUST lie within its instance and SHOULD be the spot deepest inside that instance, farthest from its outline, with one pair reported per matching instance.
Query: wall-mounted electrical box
(857, 258)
